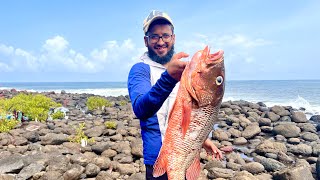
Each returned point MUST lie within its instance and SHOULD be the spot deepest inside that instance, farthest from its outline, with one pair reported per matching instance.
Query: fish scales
(192, 116)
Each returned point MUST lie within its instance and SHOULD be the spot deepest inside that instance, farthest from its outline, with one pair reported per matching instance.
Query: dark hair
(161, 22)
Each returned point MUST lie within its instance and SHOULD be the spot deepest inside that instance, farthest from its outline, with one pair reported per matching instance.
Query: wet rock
(103, 163)
(96, 131)
(243, 175)
(11, 164)
(269, 164)
(287, 130)
(251, 131)
(103, 175)
(32, 136)
(126, 169)
(302, 149)
(315, 118)
(308, 136)
(253, 167)
(294, 140)
(92, 170)
(316, 149)
(137, 176)
(299, 117)
(30, 170)
(8, 177)
(110, 153)
(273, 116)
(283, 157)
(296, 173)
(74, 173)
(233, 166)
(136, 148)
(268, 146)
(234, 132)
(220, 135)
(53, 139)
(281, 111)
(264, 122)
(99, 147)
(308, 127)
(79, 159)
(220, 173)
(240, 141)
(52, 175)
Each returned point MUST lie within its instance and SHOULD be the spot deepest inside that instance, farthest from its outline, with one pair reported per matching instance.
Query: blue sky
(44, 41)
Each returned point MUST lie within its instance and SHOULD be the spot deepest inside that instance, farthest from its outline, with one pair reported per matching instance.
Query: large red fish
(192, 117)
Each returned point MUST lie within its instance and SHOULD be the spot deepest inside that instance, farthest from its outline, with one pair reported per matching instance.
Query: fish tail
(160, 166)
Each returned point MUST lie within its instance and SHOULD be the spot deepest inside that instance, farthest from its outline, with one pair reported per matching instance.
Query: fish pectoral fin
(186, 117)
(193, 171)
(160, 166)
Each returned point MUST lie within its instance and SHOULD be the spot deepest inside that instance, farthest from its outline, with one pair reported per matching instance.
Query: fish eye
(219, 80)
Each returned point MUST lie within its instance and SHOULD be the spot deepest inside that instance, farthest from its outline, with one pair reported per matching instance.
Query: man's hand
(175, 66)
(212, 150)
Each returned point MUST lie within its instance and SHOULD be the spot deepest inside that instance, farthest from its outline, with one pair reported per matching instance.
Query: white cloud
(6, 50)
(56, 44)
(4, 67)
(57, 56)
(237, 47)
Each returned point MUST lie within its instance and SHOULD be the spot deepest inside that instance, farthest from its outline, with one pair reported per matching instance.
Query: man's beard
(161, 60)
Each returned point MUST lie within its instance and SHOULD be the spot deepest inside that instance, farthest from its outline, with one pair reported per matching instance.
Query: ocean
(295, 93)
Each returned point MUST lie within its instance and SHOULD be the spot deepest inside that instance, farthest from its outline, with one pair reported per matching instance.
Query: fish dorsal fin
(160, 166)
(186, 116)
(194, 169)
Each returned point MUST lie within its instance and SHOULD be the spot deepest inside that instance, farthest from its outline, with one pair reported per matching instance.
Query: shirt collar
(146, 59)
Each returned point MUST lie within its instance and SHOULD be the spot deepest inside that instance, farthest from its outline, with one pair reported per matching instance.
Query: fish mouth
(216, 57)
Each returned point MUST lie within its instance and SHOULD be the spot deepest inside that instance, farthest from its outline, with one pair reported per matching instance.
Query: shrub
(57, 115)
(123, 103)
(35, 107)
(80, 135)
(5, 124)
(95, 102)
(111, 124)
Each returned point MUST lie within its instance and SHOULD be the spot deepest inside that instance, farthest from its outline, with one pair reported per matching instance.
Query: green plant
(7, 125)
(123, 103)
(57, 115)
(35, 107)
(95, 102)
(80, 135)
(111, 124)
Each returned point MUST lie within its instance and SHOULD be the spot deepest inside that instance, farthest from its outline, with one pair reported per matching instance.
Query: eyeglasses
(154, 38)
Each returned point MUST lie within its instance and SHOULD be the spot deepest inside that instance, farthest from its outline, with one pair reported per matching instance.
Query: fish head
(204, 77)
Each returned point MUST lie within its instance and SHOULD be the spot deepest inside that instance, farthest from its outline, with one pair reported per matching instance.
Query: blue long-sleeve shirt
(146, 101)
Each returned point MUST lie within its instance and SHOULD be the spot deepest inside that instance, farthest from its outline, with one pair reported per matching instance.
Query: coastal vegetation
(80, 135)
(57, 115)
(95, 102)
(5, 124)
(110, 124)
(33, 107)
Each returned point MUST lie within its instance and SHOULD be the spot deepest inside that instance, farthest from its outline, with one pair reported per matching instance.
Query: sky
(99, 41)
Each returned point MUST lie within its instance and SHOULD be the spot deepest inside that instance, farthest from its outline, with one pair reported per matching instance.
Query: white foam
(299, 102)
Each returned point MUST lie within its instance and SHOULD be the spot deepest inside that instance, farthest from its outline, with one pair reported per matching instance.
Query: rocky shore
(269, 143)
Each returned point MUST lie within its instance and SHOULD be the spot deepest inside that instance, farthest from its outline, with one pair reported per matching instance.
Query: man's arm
(147, 99)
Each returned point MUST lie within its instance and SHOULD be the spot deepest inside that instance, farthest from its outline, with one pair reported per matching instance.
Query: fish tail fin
(194, 169)
(160, 166)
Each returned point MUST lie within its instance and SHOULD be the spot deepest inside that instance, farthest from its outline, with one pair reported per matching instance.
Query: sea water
(296, 93)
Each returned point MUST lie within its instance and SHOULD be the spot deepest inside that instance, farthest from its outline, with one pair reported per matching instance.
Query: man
(153, 85)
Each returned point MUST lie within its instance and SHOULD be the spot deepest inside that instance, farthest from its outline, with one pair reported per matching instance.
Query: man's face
(160, 49)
